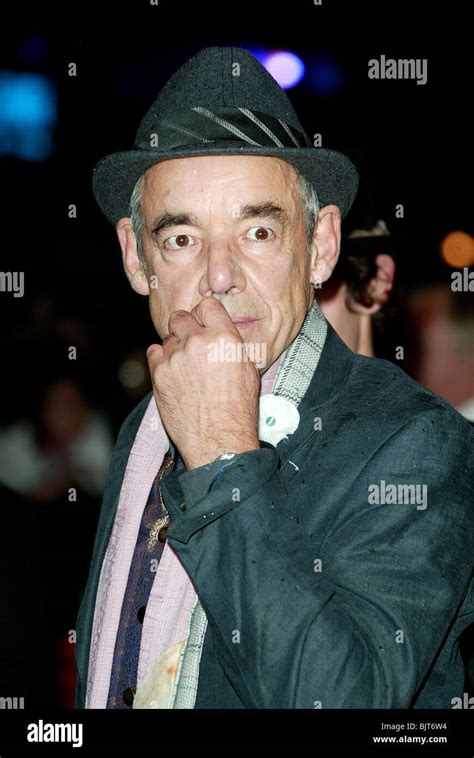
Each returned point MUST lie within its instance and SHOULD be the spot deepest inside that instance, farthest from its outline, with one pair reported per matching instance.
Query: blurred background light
(287, 68)
(131, 374)
(457, 249)
(326, 76)
(260, 53)
(27, 115)
(33, 50)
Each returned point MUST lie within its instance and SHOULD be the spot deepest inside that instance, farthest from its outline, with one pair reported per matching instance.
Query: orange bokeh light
(457, 249)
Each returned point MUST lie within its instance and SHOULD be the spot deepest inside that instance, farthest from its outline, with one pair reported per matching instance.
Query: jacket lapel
(328, 379)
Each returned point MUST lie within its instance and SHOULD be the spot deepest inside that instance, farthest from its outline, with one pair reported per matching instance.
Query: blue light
(326, 76)
(285, 67)
(260, 53)
(33, 50)
(27, 115)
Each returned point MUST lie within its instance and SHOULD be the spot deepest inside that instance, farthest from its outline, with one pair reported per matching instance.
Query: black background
(411, 143)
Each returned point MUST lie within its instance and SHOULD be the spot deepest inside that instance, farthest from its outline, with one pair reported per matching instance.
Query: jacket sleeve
(355, 622)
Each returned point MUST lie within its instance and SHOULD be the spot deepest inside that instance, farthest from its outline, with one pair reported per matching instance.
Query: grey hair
(311, 206)
(308, 195)
(136, 215)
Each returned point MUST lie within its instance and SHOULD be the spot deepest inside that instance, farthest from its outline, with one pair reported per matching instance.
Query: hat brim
(332, 174)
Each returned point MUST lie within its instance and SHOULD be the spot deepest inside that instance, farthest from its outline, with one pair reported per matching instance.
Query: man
(285, 524)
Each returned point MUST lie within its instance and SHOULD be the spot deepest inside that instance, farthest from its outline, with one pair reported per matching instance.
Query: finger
(171, 344)
(154, 355)
(211, 313)
(182, 324)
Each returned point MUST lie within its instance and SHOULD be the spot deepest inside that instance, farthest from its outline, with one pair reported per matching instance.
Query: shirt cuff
(199, 496)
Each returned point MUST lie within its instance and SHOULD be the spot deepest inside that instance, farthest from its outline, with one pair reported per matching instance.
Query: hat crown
(222, 101)
(221, 77)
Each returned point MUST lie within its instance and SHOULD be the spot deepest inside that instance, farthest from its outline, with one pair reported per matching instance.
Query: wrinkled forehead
(233, 178)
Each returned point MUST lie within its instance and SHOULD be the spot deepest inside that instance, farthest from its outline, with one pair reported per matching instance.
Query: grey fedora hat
(222, 101)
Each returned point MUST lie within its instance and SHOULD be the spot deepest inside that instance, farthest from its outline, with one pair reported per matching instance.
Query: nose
(222, 273)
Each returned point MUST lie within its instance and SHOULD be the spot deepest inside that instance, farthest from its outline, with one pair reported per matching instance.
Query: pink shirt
(172, 595)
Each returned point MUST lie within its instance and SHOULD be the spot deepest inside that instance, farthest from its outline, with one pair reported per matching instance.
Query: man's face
(231, 227)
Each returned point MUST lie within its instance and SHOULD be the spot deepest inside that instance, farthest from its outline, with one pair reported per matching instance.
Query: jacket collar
(329, 378)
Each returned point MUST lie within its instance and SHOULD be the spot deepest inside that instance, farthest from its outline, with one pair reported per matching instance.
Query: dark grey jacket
(320, 592)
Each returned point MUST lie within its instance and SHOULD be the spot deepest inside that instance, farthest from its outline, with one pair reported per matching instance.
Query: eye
(260, 233)
(179, 241)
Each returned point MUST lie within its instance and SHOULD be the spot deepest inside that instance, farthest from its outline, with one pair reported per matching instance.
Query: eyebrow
(165, 220)
(265, 210)
(261, 210)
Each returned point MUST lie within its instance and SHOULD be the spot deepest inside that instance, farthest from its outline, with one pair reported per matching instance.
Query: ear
(379, 287)
(132, 265)
(326, 244)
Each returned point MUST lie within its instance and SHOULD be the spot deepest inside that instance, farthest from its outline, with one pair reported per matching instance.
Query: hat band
(199, 125)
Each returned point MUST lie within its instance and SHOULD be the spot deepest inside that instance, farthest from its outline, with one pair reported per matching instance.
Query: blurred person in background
(27, 654)
(53, 464)
(355, 298)
(442, 328)
(67, 444)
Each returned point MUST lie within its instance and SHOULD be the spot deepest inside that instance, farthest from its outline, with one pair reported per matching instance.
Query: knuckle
(228, 335)
(194, 342)
(210, 303)
(177, 316)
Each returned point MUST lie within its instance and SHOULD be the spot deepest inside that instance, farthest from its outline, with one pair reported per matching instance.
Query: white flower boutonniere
(278, 417)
